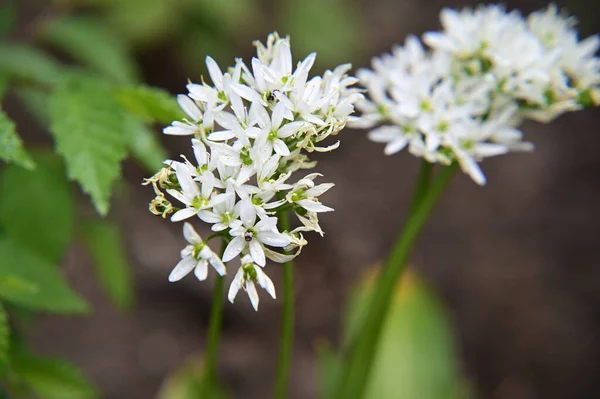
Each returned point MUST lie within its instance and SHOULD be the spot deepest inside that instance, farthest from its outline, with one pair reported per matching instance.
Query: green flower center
(197, 249)
(199, 202)
(443, 126)
(298, 195)
(245, 156)
(226, 217)
(249, 271)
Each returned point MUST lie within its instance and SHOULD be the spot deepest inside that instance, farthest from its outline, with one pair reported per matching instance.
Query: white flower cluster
(464, 98)
(249, 131)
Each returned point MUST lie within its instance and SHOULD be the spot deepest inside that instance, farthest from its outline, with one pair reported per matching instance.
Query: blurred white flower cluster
(464, 98)
(252, 128)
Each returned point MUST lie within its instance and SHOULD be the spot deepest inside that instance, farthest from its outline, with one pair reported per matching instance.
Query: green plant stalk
(422, 185)
(214, 333)
(355, 372)
(287, 322)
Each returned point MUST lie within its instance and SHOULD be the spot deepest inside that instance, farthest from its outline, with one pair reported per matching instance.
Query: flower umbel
(463, 99)
(251, 129)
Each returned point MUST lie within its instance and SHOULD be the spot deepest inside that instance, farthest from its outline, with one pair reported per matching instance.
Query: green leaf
(52, 378)
(90, 132)
(91, 42)
(4, 339)
(11, 145)
(416, 357)
(328, 363)
(53, 293)
(15, 287)
(106, 247)
(28, 63)
(145, 145)
(36, 207)
(151, 104)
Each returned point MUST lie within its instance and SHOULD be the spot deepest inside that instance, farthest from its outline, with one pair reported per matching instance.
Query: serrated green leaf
(151, 104)
(28, 63)
(11, 145)
(36, 207)
(106, 247)
(145, 145)
(52, 378)
(4, 339)
(91, 42)
(90, 133)
(53, 293)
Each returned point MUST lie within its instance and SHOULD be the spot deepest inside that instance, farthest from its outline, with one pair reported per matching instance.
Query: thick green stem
(287, 322)
(214, 333)
(356, 370)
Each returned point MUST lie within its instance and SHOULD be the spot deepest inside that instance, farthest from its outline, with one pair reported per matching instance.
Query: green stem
(287, 322)
(214, 333)
(422, 184)
(355, 373)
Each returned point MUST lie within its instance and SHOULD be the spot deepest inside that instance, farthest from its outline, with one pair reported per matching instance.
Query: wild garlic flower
(196, 256)
(464, 98)
(251, 129)
(246, 277)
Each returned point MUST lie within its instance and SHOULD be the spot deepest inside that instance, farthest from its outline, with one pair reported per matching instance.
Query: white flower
(246, 277)
(196, 256)
(194, 197)
(223, 214)
(305, 193)
(253, 236)
(252, 129)
(273, 130)
(464, 99)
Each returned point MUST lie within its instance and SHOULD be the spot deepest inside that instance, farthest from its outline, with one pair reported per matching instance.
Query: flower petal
(182, 268)
(190, 234)
(183, 214)
(273, 239)
(247, 213)
(252, 294)
(201, 271)
(234, 248)
(235, 286)
(217, 264)
(265, 282)
(215, 72)
(257, 253)
(314, 206)
(189, 107)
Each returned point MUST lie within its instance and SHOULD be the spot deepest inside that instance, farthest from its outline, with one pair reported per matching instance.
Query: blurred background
(505, 297)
